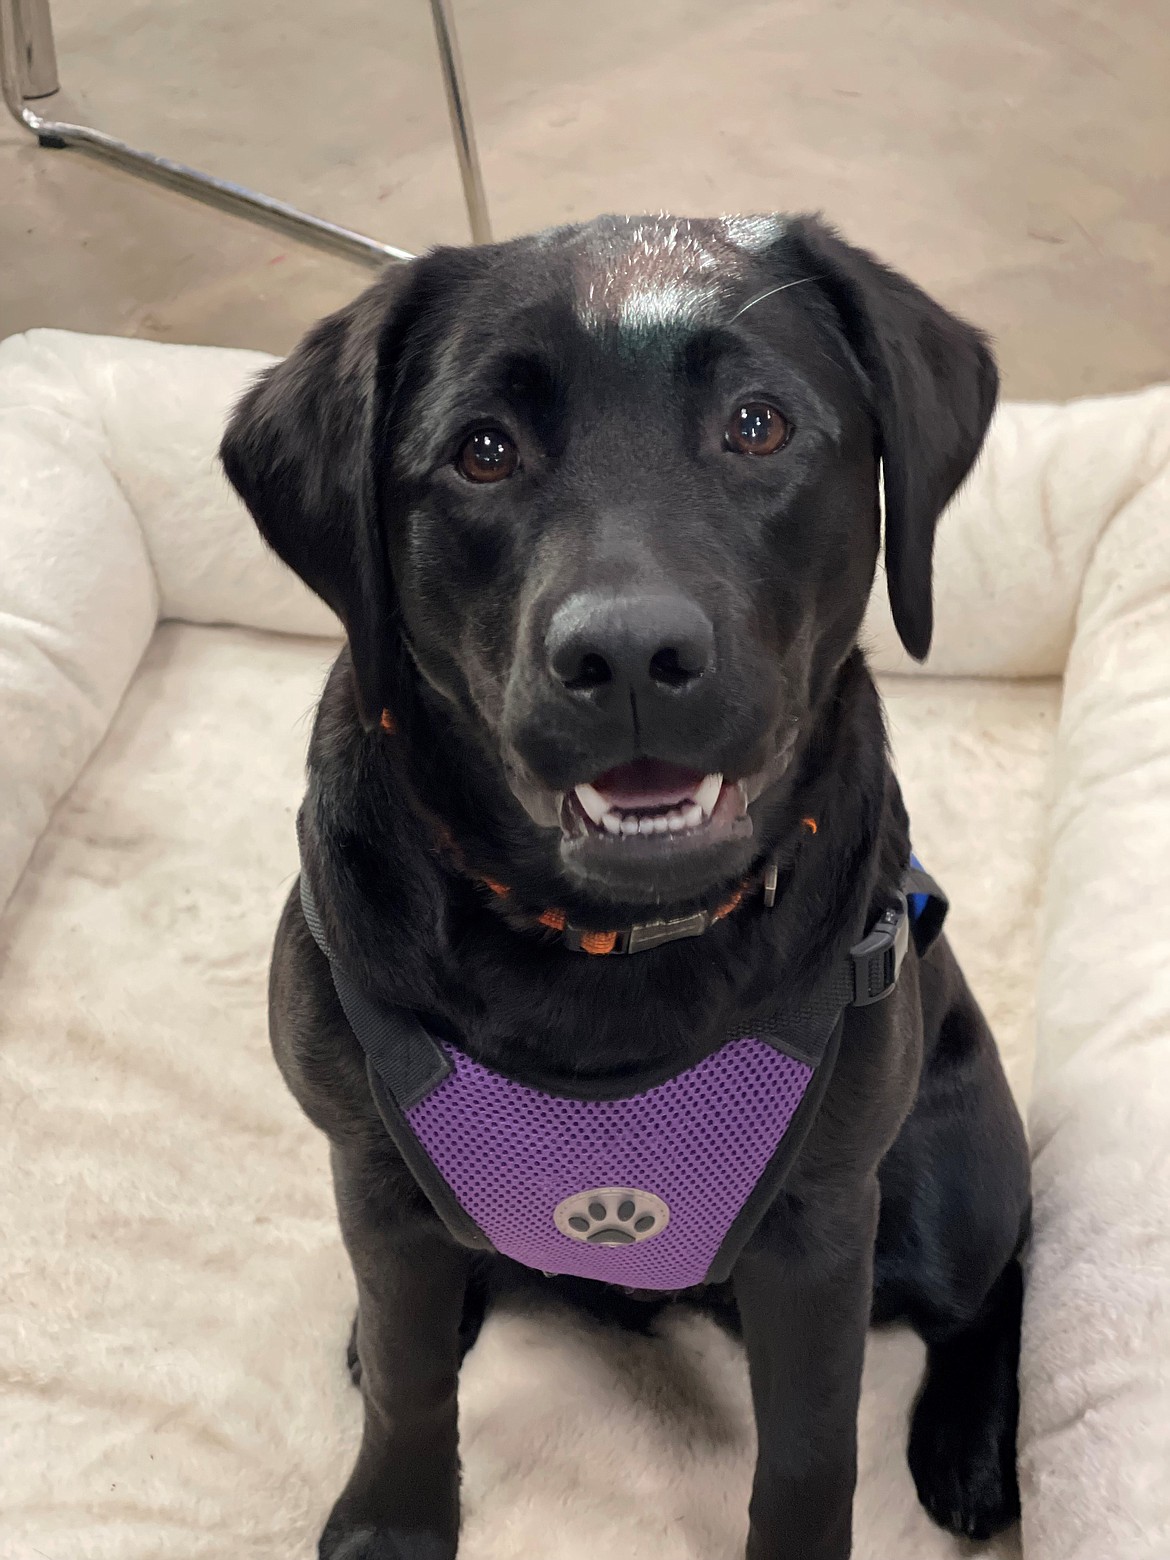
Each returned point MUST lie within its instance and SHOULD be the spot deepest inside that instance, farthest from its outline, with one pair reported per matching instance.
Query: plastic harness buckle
(877, 958)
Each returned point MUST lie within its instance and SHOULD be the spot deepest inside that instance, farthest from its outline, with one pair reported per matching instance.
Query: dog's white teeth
(708, 793)
(593, 802)
(690, 814)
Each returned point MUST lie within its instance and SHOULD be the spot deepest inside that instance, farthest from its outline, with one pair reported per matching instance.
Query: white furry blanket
(176, 1299)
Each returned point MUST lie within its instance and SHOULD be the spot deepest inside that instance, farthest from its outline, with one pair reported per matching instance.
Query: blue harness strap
(916, 897)
(926, 902)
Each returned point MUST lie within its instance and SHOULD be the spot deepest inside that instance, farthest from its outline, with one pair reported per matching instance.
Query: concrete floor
(1013, 158)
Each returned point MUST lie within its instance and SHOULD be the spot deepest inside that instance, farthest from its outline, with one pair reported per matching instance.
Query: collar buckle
(647, 934)
(651, 934)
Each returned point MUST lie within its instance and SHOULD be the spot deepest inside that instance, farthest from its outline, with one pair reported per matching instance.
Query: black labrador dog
(599, 511)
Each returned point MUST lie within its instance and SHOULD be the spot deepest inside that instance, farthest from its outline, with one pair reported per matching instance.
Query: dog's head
(615, 489)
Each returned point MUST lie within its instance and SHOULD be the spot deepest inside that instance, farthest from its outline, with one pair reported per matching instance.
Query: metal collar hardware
(647, 934)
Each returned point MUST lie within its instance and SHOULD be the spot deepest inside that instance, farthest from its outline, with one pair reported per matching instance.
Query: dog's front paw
(370, 1543)
(963, 1457)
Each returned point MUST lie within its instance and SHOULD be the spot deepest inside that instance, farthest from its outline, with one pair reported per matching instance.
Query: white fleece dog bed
(176, 1299)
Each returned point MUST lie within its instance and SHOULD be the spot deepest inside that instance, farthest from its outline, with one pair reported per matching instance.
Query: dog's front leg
(805, 1309)
(402, 1499)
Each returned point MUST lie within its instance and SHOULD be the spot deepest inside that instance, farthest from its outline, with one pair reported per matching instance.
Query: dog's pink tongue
(647, 782)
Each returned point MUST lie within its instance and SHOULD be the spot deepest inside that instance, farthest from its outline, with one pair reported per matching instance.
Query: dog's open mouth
(653, 801)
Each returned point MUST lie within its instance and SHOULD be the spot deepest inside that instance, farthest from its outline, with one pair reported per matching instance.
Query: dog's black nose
(646, 645)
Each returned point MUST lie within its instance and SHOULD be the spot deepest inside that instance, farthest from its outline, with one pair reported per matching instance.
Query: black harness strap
(407, 1058)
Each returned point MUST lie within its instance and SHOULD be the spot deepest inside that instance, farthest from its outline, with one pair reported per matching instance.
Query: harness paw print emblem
(611, 1216)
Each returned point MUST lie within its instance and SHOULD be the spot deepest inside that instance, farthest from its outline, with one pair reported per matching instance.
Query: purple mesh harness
(657, 1186)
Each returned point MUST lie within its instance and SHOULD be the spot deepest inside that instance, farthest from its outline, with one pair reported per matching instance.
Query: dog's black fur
(612, 355)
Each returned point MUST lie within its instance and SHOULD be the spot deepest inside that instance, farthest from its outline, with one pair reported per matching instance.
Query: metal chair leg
(452, 68)
(28, 69)
(36, 57)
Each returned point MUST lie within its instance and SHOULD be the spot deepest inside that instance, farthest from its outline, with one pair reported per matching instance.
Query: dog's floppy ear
(934, 384)
(300, 451)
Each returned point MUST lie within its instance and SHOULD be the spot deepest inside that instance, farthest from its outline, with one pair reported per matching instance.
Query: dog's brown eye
(488, 456)
(756, 429)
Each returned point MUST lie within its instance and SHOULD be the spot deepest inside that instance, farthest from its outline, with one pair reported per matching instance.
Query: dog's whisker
(771, 292)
